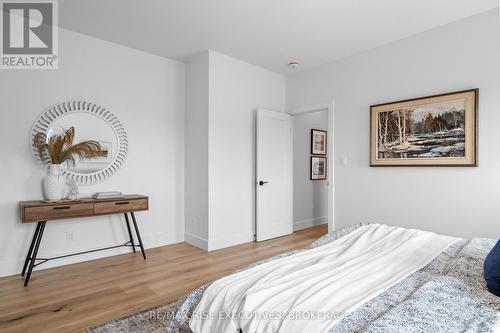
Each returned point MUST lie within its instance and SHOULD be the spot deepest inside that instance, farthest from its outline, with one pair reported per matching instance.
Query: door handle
(261, 182)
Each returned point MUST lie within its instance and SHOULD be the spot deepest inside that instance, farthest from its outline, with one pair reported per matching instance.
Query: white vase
(54, 184)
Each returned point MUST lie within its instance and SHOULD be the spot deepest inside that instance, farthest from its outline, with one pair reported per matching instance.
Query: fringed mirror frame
(50, 115)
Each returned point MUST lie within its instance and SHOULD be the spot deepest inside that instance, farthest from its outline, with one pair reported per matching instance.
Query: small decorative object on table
(54, 183)
(60, 149)
(108, 195)
(73, 190)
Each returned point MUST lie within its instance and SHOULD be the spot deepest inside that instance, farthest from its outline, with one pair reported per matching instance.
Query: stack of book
(108, 195)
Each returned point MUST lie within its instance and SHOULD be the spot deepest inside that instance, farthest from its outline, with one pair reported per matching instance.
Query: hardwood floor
(74, 297)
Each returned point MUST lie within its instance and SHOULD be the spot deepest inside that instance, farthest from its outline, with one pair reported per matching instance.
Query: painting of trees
(394, 127)
(442, 122)
(426, 131)
(420, 132)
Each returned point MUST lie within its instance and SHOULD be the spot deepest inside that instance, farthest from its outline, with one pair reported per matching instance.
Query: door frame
(329, 107)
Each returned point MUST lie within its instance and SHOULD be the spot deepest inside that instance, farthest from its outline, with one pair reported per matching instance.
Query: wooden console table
(41, 212)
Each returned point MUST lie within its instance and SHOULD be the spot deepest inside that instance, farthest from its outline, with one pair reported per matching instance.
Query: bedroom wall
(455, 201)
(147, 93)
(196, 137)
(310, 197)
(237, 89)
(223, 127)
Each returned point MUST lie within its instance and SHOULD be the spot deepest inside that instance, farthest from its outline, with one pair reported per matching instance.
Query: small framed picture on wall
(318, 168)
(318, 142)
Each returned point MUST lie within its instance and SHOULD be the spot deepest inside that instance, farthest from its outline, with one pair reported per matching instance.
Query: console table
(42, 211)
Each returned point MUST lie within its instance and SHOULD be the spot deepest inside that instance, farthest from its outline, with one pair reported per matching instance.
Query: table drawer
(44, 213)
(120, 206)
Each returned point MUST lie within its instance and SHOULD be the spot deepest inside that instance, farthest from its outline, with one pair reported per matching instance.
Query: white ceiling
(267, 33)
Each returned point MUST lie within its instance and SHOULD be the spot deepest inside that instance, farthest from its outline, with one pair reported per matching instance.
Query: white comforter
(311, 290)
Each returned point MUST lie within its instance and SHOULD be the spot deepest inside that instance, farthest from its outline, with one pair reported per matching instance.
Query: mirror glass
(88, 127)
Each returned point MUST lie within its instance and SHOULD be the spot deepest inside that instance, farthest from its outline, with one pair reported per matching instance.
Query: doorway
(310, 169)
(313, 199)
(280, 194)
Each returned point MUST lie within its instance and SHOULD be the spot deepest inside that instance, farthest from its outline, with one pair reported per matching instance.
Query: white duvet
(310, 291)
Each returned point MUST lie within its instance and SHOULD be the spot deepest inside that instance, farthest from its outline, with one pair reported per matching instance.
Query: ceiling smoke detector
(293, 64)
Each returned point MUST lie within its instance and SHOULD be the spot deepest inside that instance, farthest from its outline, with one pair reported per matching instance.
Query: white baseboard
(231, 240)
(197, 241)
(303, 224)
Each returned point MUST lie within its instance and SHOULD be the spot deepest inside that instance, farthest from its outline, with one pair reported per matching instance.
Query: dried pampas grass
(60, 148)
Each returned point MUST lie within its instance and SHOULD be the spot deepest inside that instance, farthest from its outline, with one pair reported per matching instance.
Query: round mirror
(91, 122)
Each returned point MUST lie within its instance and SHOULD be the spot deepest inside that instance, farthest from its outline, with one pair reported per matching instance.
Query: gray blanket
(448, 295)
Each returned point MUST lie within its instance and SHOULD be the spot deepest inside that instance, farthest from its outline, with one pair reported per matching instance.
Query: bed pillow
(492, 270)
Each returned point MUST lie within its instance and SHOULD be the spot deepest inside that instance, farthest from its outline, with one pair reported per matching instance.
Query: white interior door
(274, 181)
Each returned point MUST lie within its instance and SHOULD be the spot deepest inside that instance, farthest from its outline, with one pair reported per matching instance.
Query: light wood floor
(74, 297)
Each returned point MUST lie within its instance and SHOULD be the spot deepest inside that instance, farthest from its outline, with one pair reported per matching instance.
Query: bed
(440, 289)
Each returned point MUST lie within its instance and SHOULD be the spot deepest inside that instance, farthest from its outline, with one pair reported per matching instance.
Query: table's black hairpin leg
(138, 234)
(129, 231)
(28, 256)
(35, 252)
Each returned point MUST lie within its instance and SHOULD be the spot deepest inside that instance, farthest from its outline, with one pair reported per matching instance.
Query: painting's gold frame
(471, 129)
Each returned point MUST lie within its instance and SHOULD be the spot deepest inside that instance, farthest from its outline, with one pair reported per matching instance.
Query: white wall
(456, 201)
(229, 100)
(310, 197)
(147, 93)
(237, 90)
(196, 136)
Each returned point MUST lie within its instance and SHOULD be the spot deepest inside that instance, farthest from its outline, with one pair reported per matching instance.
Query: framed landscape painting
(438, 130)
